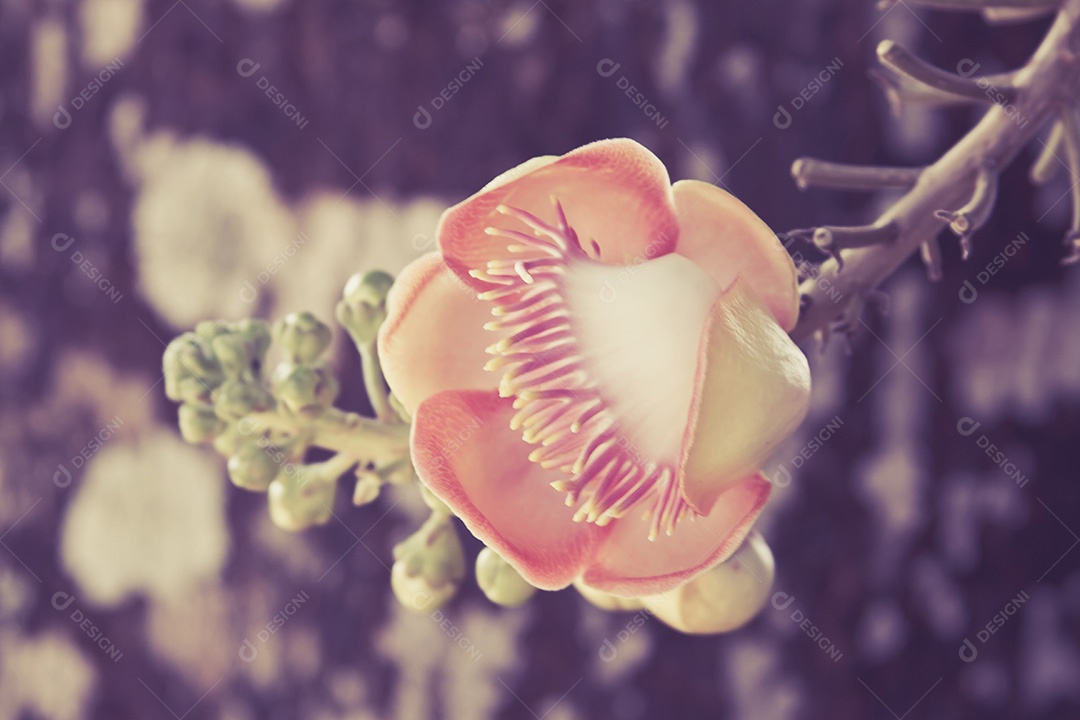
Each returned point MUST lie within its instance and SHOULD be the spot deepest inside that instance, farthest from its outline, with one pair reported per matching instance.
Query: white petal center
(639, 329)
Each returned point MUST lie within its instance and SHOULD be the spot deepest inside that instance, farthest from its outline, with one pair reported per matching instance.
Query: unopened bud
(303, 336)
(252, 468)
(232, 352)
(367, 488)
(235, 399)
(191, 371)
(500, 581)
(301, 386)
(429, 566)
(296, 502)
(722, 598)
(199, 424)
(362, 308)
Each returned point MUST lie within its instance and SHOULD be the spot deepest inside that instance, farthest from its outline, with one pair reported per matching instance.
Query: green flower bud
(299, 501)
(233, 353)
(186, 360)
(207, 330)
(362, 308)
(229, 441)
(190, 389)
(301, 386)
(429, 566)
(235, 399)
(252, 468)
(368, 485)
(501, 583)
(199, 424)
(257, 336)
(303, 337)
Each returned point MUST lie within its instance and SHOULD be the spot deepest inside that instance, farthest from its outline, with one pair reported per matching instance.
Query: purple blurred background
(168, 162)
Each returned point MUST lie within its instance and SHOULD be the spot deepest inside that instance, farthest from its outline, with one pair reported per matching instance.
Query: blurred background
(169, 161)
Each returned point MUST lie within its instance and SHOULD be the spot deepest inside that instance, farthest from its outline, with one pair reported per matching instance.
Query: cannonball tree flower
(597, 365)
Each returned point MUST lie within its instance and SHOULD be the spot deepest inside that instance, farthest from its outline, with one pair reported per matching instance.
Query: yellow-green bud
(257, 336)
(235, 399)
(190, 371)
(301, 386)
(252, 468)
(232, 352)
(302, 336)
(368, 485)
(298, 502)
(199, 424)
(362, 308)
(229, 441)
(500, 581)
(429, 566)
(723, 598)
(207, 330)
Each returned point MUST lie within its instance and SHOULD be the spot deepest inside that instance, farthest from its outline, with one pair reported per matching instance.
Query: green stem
(374, 383)
(348, 433)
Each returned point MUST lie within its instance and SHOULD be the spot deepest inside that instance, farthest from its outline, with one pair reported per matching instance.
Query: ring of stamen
(560, 407)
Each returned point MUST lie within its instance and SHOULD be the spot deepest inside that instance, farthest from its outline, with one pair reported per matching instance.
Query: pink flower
(594, 358)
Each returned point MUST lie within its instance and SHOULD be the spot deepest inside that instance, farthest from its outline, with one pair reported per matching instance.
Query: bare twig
(1046, 166)
(811, 172)
(1042, 86)
(894, 57)
(978, 5)
(965, 221)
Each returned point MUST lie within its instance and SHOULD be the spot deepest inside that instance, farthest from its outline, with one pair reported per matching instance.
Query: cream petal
(751, 391)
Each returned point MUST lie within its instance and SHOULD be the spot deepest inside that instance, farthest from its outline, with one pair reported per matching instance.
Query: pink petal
(727, 239)
(464, 451)
(628, 563)
(752, 389)
(434, 338)
(615, 192)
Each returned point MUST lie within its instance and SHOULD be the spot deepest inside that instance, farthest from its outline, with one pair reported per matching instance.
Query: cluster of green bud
(429, 566)
(362, 308)
(214, 373)
(218, 375)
